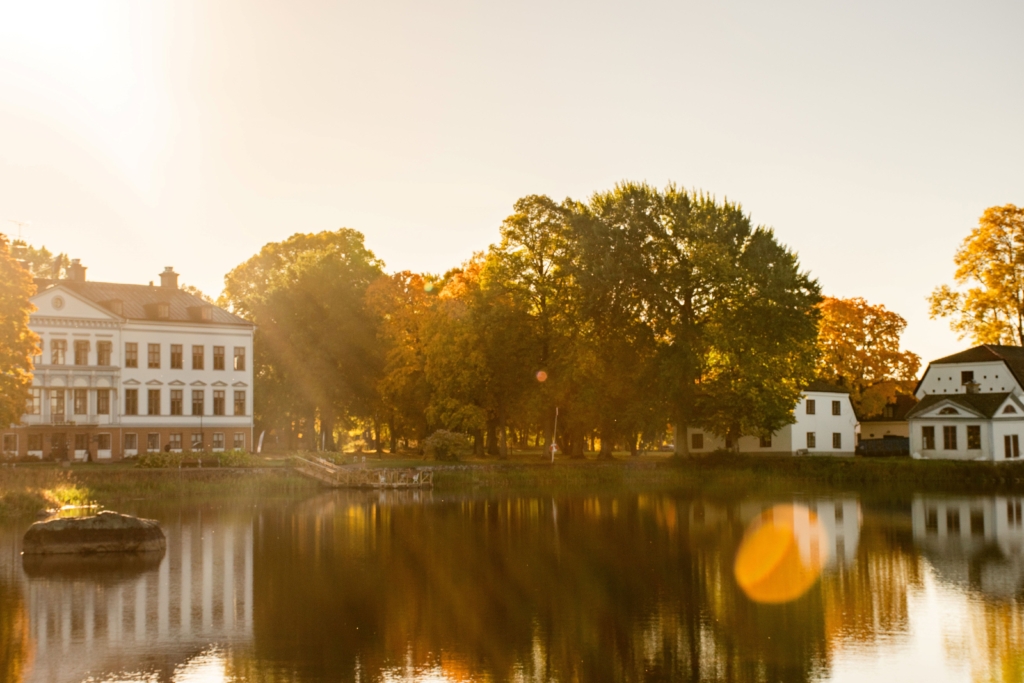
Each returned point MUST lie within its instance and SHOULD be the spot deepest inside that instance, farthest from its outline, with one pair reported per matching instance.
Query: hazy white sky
(870, 135)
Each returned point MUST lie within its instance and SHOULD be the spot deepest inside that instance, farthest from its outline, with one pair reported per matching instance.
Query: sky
(871, 135)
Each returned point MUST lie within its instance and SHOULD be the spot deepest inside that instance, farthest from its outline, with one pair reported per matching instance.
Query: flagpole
(554, 435)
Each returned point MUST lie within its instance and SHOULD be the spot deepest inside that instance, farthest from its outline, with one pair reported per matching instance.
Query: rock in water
(107, 532)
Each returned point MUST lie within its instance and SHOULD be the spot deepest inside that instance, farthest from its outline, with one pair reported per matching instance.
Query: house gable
(59, 303)
(947, 410)
(1011, 409)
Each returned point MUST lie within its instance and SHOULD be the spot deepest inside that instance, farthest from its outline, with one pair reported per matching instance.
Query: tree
(990, 263)
(41, 261)
(17, 342)
(316, 357)
(859, 350)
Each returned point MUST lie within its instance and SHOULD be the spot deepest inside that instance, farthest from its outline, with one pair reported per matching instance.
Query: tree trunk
(634, 449)
(502, 436)
(391, 433)
(492, 437)
(579, 443)
(478, 443)
(327, 428)
(376, 437)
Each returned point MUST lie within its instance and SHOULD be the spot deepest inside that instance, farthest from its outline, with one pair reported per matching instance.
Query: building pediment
(154, 382)
(239, 384)
(197, 383)
(60, 303)
(1011, 409)
(972, 405)
(132, 382)
(219, 383)
(176, 383)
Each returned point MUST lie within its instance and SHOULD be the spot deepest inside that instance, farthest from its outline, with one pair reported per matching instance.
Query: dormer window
(201, 313)
(116, 306)
(160, 310)
(1009, 409)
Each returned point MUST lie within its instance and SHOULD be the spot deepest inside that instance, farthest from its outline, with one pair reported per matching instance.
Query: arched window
(1009, 409)
(948, 411)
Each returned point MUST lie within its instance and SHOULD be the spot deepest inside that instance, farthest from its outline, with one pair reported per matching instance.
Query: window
(239, 444)
(889, 411)
(766, 442)
(948, 411)
(35, 442)
(837, 408)
(131, 355)
(812, 440)
(197, 401)
(197, 357)
(81, 352)
(837, 440)
(928, 438)
(1009, 409)
(38, 358)
(218, 401)
(239, 358)
(153, 402)
(103, 351)
(176, 354)
(177, 401)
(810, 406)
(973, 437)
(11, 444)
(58, 348)
(696, 440)
(57, 404)
(931, 521)
(952, 521)
(218, 441)
(218, 357)
(34, 404)
(966, 376)
(154, 355)
(197, 441)
(949, 438)
(103, 401)
(240, 410)
(1011, 446)
(1013, 512)
(977, 523)
(153, 442)
(131, 442)
(175, 442)
(131, 401)
(81, 442)
(103, 442)
(839, 512)
(59, 443)
(81, 402)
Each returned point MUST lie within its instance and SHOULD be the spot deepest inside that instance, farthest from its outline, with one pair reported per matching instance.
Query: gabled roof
(824, 387)
(135, 298)
(1012, 356)
(985, 404)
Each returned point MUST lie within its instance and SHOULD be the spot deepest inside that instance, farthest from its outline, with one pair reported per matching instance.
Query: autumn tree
(315, 359)
(17, 342)
(988, 307)
(859, 350)
(40, 261)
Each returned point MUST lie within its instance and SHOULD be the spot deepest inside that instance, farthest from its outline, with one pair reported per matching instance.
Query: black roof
(825, 387)
(135, 298)
(986, 404)
(902, 407)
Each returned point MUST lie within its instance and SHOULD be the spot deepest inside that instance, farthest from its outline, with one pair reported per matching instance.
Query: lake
(353, 586)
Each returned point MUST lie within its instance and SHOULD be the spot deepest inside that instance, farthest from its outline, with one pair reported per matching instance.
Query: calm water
(356, 587)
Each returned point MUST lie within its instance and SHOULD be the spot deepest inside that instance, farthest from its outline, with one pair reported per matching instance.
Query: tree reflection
(15, 646)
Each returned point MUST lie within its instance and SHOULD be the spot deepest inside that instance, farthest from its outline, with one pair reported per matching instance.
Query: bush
(220, 459)
(445, 445)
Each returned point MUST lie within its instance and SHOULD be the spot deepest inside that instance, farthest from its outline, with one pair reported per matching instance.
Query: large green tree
(316, 359)
(989, 306)
(17, 342)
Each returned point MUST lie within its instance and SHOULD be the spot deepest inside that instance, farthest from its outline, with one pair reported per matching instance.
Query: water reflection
(420, 587)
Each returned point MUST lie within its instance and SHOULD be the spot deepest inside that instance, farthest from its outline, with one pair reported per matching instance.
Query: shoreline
(28, 489)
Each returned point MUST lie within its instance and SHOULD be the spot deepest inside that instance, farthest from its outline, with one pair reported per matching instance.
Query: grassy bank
(29, 489)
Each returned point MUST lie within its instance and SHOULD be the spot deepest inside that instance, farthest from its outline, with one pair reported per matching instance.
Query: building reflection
(148, 619)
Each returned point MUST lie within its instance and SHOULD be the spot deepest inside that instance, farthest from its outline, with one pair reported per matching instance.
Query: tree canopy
(988, 305)
(859, 350)
(17, 342)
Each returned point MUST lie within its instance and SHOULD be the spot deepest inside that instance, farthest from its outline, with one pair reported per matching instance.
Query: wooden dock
(359, 476)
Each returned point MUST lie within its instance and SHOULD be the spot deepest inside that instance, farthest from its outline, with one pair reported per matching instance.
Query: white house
(825, 425)
(971, 406)
(126, 369)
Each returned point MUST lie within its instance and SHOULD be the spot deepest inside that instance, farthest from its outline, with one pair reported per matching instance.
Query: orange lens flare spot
(541, 376)
(780, 556)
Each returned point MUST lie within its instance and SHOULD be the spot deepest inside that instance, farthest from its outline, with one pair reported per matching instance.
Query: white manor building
(825, 425)
(126, 369)
(971, 406)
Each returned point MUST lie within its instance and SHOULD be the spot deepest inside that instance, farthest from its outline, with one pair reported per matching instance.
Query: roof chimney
(169, 278)
(76, 271)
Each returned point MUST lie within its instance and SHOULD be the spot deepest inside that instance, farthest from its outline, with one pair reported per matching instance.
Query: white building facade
(825, 425)
(971, 406)
(126, 369)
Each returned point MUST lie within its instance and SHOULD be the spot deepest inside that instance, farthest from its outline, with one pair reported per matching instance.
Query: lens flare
(541, 376)
(781, 555)
(429, 287)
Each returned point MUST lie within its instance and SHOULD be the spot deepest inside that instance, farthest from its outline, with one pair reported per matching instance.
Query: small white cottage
(825, 425)
(971, 406)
